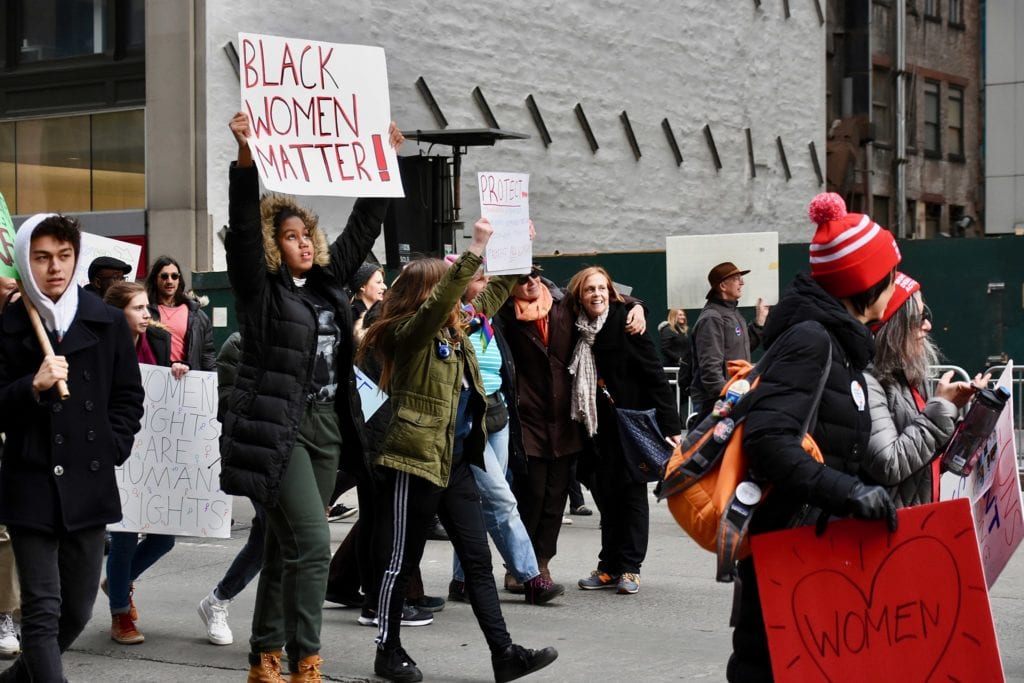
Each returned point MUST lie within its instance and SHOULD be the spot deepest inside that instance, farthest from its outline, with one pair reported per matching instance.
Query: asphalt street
(675, 629)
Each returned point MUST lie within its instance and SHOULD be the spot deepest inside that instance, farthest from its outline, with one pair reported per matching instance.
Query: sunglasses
(169, 276)
(533, 274)
(926, 314)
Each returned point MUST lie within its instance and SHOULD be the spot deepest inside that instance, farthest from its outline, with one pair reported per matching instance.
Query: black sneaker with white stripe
(396, 665)
(411, 616)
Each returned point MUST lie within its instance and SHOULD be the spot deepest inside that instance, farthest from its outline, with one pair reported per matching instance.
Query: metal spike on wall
(817, 164)
(630, 136)
(821, 15)
(232, 53)
(428, 96)
(667, 127)
(782, 156)
(710, 139)
(485, 109)
(585, 125)
(750, 153)
(538, 120)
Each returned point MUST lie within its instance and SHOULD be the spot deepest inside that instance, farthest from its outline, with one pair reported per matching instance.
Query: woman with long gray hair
(909, 424)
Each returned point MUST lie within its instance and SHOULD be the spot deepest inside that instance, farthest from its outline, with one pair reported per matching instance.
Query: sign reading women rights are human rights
(319, 115)
(171, 482)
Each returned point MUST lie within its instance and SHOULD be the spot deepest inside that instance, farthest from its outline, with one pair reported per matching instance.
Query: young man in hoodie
(57, 485)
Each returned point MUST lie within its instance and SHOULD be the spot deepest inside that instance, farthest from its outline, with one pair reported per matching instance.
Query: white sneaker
(214, 614)
(10, 646)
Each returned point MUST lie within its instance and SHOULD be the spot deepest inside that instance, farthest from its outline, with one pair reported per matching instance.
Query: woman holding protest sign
(294, 412)
(128, 558)
(909, 426)
(431, 372)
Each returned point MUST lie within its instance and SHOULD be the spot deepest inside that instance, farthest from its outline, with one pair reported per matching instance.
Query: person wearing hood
(57, 486)
(366, 288)
(820, 326)
(721, 334)
(294, 413)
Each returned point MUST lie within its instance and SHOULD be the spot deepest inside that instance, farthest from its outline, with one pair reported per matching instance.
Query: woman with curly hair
(294, 411)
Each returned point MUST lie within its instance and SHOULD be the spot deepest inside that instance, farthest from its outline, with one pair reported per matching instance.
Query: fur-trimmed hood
(270, 205)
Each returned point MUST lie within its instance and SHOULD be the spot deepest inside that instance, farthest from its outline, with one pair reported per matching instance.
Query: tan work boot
(268, 670)
(309, 670)
(122, 630)
(512, 584)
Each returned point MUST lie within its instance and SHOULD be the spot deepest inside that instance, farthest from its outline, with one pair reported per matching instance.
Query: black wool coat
(279, 331)
(58, 464)
(784, 399)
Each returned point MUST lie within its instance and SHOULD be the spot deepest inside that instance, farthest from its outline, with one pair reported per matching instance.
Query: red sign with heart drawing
(862, 604)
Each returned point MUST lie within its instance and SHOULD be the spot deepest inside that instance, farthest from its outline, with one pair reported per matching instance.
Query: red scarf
(936, 472)
(144, 351)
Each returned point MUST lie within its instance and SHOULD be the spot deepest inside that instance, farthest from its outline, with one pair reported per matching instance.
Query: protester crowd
(502, 392)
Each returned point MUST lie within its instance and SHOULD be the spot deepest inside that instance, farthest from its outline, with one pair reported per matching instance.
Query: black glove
(871, 502)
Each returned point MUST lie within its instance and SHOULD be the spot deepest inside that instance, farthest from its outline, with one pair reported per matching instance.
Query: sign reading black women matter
(171, 482)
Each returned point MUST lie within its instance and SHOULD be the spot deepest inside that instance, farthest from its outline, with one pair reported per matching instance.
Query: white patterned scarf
(57, 315)
(584, 372)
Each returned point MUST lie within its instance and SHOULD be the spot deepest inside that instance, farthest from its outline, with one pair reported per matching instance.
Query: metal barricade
(672, 374)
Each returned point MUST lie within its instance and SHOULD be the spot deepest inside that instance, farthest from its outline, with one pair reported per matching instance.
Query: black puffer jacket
(279, 330)
(784, 398)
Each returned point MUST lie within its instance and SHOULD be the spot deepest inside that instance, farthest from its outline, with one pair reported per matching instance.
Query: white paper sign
(689, 259)
(505, 202)
(171, 482)
(370, 395)
(319, 115)
(94, 246)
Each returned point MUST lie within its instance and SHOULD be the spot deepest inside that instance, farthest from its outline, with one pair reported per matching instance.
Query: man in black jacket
(57, 485)
(821, 317)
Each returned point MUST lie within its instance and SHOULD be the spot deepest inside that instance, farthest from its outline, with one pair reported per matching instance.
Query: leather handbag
(643, 446)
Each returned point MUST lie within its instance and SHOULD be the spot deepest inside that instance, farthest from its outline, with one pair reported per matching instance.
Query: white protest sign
(505, 202)
(370, 395)
(319, 115)
(171, 482)
(689, 259)
(94, 246)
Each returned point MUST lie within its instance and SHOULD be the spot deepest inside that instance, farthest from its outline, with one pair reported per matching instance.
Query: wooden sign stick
(44, 339)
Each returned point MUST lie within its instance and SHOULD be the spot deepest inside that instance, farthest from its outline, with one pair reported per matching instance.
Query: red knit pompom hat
(905, 286)
(850, 253)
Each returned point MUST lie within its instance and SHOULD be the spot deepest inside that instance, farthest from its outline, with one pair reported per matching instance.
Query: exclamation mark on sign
(382, 164)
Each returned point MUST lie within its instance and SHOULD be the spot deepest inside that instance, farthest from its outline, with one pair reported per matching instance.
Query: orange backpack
(707, 482)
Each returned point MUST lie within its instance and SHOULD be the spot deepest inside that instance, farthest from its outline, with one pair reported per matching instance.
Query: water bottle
(970, 434)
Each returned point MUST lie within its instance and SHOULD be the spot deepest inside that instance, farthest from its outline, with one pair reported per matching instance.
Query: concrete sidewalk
(675, 629)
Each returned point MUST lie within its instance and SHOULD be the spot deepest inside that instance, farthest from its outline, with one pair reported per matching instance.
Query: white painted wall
(695, 62)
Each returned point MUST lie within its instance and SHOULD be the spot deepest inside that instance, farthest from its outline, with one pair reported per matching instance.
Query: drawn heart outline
(901, 574)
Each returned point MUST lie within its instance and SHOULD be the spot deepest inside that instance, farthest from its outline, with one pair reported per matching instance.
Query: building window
(931, 10)
(881, 105)
(931, 141)
(955, 124)
(911, 218)
(58, 29)
(957, 222)
(880, 209)
(932, 219)
(956, 13)
(89, 162)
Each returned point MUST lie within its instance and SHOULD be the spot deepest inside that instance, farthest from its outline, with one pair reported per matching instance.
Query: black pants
(750, 659)
(542, 502)
(575, 490)
(248, 561)
(624, 511)
(60, 574)
(404, 504)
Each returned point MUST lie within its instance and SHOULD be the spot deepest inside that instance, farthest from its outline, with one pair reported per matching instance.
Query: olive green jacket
(425, 388)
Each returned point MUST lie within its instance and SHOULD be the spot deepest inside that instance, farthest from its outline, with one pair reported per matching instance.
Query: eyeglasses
(169, 276)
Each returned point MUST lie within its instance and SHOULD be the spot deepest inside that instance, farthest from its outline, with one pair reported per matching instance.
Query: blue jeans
(501, 513)
(127, 559)
(248, 561)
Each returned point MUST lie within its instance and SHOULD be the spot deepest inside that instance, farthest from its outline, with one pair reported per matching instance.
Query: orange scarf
(536, 311)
